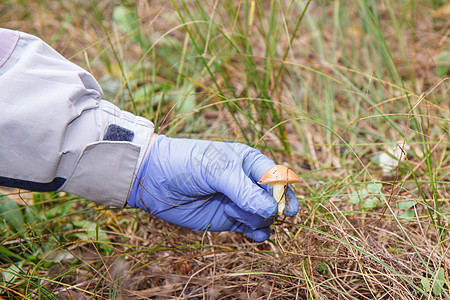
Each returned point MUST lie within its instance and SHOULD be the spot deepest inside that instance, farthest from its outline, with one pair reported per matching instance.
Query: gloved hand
(208, 185)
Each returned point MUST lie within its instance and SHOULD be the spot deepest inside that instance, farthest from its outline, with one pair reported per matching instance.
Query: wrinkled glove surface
(208, 185)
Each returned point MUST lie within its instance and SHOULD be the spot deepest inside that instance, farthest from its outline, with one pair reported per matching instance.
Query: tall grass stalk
(323, 87)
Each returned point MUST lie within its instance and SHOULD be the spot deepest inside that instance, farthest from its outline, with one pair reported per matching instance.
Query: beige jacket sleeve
(56, 132)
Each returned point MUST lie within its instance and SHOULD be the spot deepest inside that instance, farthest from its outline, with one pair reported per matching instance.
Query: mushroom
(279, 177)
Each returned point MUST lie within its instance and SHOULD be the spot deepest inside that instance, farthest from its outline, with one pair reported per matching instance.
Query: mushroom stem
(279, 177)
(278, 194)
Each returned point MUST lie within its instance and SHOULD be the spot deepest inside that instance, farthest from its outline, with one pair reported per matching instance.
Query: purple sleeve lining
(8, 41)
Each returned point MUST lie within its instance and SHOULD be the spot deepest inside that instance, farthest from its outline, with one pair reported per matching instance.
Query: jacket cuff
(104, 173)
(106, 169)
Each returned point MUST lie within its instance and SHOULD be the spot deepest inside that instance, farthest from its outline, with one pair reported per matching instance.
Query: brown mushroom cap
(279, 174)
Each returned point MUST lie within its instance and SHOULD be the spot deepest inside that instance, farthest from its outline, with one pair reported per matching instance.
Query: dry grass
(343, 105)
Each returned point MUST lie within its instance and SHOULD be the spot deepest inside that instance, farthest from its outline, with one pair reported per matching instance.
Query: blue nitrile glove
(208, 185)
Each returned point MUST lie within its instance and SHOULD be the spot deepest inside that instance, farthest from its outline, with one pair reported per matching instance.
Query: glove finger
(259, 235)
(256, 164)
(238, 177)
(248, 195)
(242, 216)
(292, 207)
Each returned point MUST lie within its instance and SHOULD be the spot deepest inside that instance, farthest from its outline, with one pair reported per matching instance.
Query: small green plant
(435, 285)
(368, 197)
(34, 237)
(350, 94)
